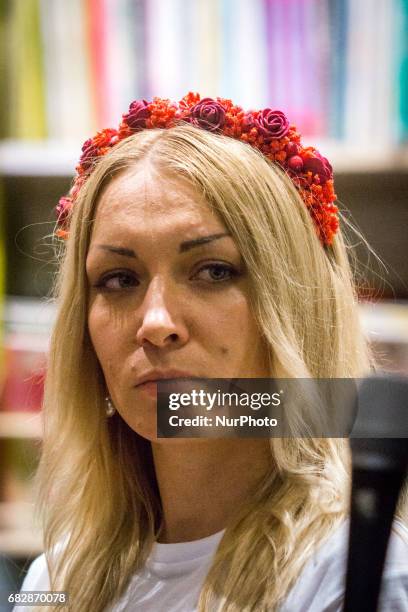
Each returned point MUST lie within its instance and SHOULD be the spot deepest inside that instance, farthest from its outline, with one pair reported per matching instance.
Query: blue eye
(210, 273)
(126, 281)
(219, 272)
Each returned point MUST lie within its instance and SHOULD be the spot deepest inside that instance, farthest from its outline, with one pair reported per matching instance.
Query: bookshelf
(20, 425)
(53, 158)
(19, 537)
(373, 187)
(25, 340)
(386, 325)
(61, 93)
(44, 158)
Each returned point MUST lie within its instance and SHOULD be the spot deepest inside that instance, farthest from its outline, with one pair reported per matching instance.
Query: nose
(161, 322)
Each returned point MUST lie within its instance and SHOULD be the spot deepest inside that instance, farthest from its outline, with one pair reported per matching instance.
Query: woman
(190, 252)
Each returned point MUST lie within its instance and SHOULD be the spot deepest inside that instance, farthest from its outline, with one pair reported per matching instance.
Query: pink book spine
(97, 27)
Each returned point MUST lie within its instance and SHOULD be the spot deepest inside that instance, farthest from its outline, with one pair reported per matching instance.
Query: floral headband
(267, 130)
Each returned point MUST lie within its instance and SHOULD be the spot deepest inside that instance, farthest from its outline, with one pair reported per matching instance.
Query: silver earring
(110, 408)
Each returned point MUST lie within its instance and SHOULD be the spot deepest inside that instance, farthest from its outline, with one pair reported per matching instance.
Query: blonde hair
(98, 492)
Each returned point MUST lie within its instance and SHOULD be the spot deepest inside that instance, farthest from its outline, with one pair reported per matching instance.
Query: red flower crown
(267, 130)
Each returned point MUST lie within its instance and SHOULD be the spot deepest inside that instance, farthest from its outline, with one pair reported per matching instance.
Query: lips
(154, 376)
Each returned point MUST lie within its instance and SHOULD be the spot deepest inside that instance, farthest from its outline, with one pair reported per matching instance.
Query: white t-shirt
(174, 573)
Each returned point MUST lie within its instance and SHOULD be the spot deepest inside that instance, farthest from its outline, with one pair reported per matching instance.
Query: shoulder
(322, 581)
(395, 584)
(37, 577)
(398, 548)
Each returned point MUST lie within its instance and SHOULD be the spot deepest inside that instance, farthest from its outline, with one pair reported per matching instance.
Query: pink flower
(295, 163)
(248, 122)
(89, 153)
(319, 165)
(79, 181)
(137, 115)
(94, 147)
(208, 114)
(292, 149)
(272, 124)
(62, 210)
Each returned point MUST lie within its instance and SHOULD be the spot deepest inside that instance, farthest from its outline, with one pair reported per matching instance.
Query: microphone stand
(379, 448)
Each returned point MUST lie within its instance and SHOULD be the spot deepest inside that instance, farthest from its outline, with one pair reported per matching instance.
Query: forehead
(142, 199)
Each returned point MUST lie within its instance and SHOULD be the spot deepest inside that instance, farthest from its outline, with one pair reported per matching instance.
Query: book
(26, 99)
(24, 373)
(338, 68)
(337, 16)
(123, 62)
(208, 28)
(298, 61)
(402, 70)
(244, 75)
(371, 82)
(2, 287)
(70, 112)
(171, 45)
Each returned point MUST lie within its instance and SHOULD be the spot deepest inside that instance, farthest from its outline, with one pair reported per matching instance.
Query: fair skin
(170, 303)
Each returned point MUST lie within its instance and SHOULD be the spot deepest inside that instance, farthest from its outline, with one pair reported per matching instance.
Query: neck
(203, 483)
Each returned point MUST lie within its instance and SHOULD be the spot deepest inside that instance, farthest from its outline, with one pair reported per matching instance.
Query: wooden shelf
(20, 424)
(20, 543)
(385, 321)
(38, 158)
(53, 158)
(18, 535)
(353, 159)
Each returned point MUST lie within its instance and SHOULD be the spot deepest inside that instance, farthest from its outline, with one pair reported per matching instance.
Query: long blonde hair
(97, 488)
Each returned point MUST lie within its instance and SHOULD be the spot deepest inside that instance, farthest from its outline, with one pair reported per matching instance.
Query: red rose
(89, 153)
(137, 115)
(208, 114)
(319, 165)
(272, 124)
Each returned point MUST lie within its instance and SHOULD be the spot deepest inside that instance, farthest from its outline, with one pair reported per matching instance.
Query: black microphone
(380, 461)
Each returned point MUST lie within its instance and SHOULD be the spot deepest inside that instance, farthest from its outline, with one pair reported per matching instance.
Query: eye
(218, 272)
(116, 281)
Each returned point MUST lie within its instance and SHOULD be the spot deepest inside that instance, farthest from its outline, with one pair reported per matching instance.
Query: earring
(110, 408)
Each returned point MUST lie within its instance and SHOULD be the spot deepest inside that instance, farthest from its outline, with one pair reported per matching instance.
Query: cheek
(95, 326)
(230, 328)
(244, 335)
(237, 322)
(103, 340)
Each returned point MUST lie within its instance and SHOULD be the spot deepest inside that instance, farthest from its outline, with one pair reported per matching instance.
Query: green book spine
(2, 283)
(26, 75)
(3, 70)
(403, 73)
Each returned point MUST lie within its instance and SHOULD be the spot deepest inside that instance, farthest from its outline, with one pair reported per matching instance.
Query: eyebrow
(184, 246)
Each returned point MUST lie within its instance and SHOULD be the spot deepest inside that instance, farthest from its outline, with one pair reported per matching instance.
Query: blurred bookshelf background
(339, 68)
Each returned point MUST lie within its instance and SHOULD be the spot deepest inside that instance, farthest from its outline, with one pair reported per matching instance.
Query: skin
(171, 309)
